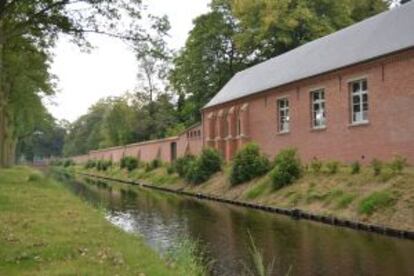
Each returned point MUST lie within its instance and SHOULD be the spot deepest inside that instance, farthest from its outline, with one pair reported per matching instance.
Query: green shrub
(68, 163)
(398, 164)
(376, 166)
(147, 167)
(287, 168)
(103, 165)
(182, 165)
(155, 164)
(56, 162)
(248, 164)
(34, 177)
(316, 166)
(355, 167)
(332, 167)
(90, 164)
(170, 169)
(375, 201)
(128, 162)
(208, 163)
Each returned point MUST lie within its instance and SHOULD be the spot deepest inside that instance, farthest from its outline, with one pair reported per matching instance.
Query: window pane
(365, 98)
(357, 108)
(365, 116)
(358, 117)
(365, 107)
(364, 85)
(356, 99)
(355, 86)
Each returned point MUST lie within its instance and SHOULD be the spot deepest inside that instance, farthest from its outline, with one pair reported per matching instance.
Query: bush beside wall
(208, 163)
(248, 163)
(128, 162)
(287, 168)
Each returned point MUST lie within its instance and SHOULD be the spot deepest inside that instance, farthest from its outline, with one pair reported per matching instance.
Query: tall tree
(236, 34)
(40, 23)
(270, 28)
(209, 59)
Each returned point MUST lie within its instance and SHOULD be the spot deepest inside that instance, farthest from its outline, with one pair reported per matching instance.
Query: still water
(303, 247)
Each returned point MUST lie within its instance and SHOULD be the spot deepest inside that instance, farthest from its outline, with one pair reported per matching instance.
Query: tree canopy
(28, 30)
(237, 34)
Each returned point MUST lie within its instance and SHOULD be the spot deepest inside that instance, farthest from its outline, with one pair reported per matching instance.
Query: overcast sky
(111, 68)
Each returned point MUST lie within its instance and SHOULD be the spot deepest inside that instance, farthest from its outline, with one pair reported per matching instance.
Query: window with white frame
(283, 115)
(359, 101)
(318, 109)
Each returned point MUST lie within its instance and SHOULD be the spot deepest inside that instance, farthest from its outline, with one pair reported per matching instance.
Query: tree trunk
(2, 105)
(4, 140)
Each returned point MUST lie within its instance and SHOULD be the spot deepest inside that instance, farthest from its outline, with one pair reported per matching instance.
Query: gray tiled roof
(382, 34)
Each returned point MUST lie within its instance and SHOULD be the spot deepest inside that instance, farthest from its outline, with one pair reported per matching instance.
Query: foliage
(90, 164)
(56, 162)
(270, 28)
(152, 165)
(35, 176)
(248, 163)
(128, 162)
(287, 168)
(183, 164)
(236, 34)
(375, 201)
(175, 130)
(316, 166)
(188, 255)
(258, 189)
(259, 265)
(209, 59)
(170, 169)
(355, 167)
(332, 167)
(208, 163)
(398, 164)
(68, 163)
(103, 165)
(344, 201)
(120, 120)
(28, 30)
(45, 140)
(376, 166)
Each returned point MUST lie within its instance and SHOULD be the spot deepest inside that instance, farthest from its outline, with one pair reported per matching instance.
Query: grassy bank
(386, 199)
(46, 230)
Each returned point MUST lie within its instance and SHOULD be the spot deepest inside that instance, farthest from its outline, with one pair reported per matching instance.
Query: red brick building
(348, 96)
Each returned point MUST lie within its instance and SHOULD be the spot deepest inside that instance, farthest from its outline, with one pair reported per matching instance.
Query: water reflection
(308, 248)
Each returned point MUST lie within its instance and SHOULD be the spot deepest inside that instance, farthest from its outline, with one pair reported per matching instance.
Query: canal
(301, 247)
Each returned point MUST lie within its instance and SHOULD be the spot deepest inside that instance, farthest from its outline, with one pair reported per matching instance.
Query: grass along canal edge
(46, 230)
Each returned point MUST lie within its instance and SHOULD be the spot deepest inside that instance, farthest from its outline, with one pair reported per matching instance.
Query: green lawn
(46, 230)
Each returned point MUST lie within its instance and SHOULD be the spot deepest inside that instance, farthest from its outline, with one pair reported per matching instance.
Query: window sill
(283, 133)
(359, 124)
(316, 129)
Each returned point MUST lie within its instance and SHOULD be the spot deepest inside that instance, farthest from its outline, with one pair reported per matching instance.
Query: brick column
(220, 121)
(210, 135)
(231, 137)
(244, 125)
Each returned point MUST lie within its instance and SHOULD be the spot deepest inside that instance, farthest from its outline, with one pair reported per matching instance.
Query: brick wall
(189, 142)
(390, 130)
